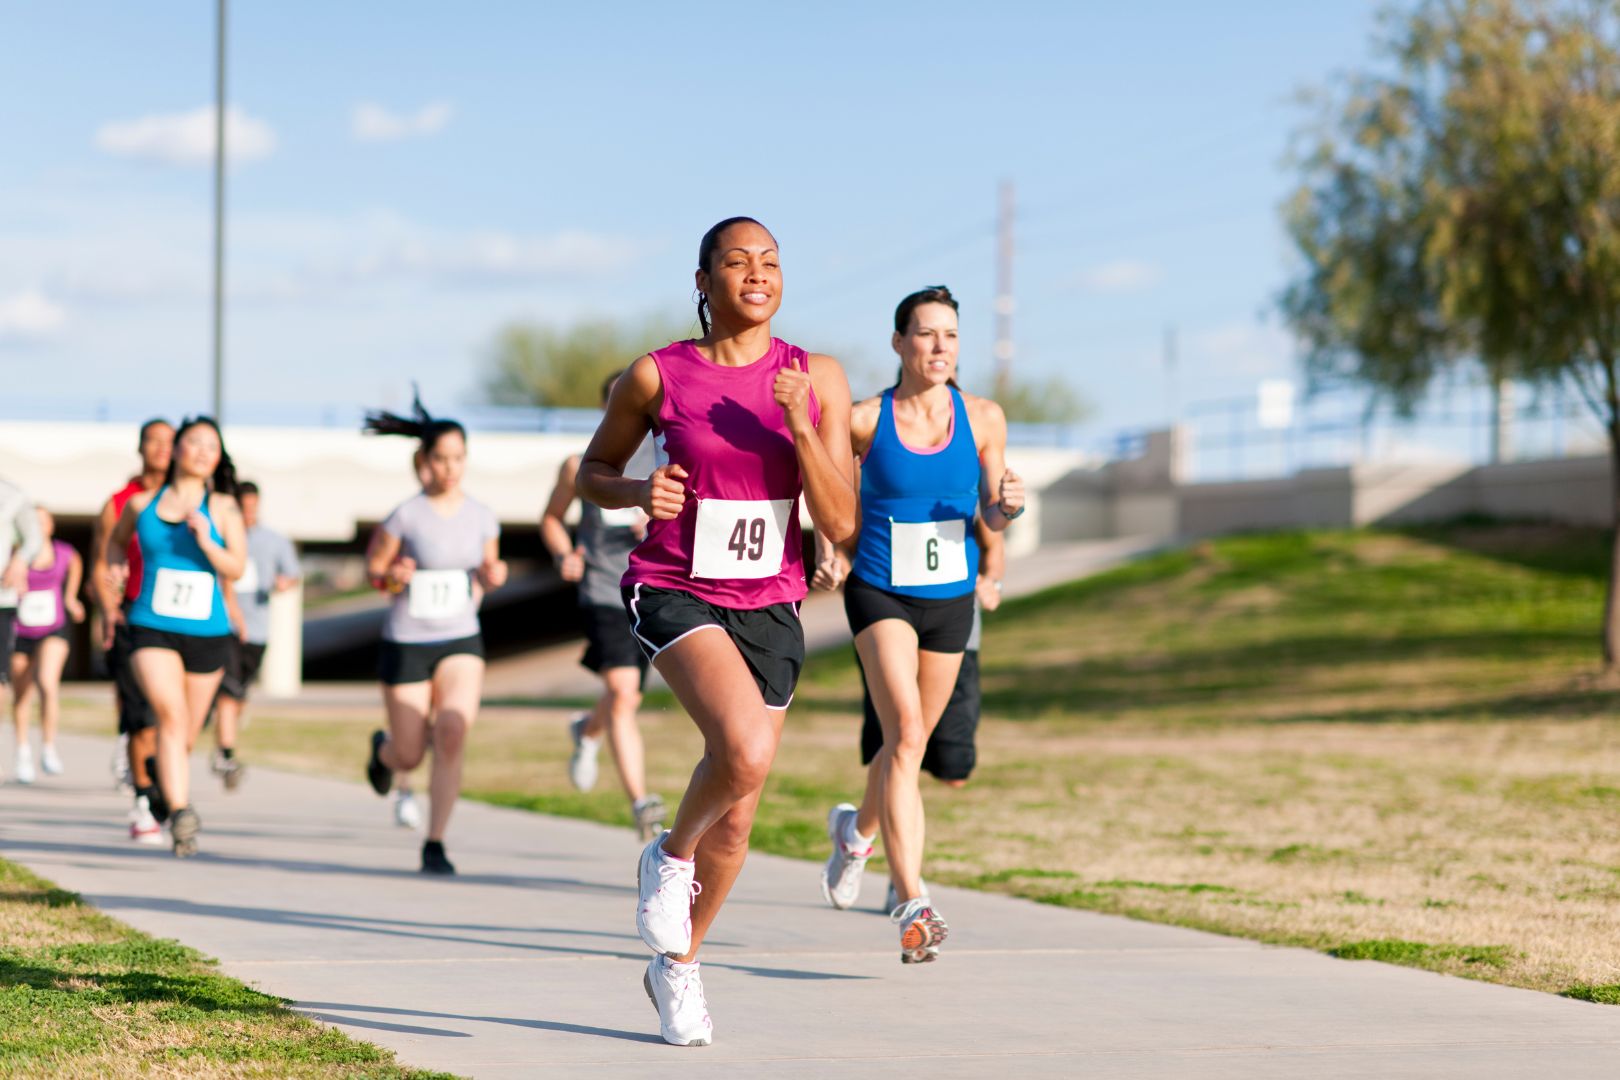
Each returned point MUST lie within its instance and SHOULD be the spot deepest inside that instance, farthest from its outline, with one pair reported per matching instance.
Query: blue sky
(415, 175)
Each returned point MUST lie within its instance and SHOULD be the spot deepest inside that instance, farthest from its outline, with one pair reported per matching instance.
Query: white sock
(853, 839)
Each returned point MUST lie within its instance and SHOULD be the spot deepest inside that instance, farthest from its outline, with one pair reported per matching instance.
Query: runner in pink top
(746, 423)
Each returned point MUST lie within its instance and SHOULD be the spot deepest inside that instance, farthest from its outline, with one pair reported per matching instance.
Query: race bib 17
(439, 594)
(740, 538)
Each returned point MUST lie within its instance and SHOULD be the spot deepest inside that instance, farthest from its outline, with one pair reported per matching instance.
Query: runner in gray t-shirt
(272, 567)
(438, 553)
(596, 559)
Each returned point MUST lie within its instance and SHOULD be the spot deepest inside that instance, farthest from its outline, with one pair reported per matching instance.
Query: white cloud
(188, 138)
(29, 315)
(1245, 348)
(1122, 275)
(494, 256)
(374, 123)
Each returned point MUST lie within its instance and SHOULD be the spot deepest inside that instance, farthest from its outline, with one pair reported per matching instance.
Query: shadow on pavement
(312, 866)
(540, 1025)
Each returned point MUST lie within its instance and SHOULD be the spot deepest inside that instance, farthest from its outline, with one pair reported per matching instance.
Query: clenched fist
(1012, 493)
(792, 391)
(663, 493)
(572, 565)
(492, 574)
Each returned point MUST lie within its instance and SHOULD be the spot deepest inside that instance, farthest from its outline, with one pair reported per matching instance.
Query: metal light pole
(219, 213)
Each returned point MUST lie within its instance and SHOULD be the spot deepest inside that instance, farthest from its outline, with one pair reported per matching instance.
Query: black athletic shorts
(28, 646)
(770, 639)
(8, 636)
(609, 642)
(134, 714)
(402, 662)
(200, 655)
(241, 669)
(942, 625)
(952, 751)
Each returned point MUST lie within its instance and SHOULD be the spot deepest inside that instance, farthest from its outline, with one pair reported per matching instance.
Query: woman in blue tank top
(192, 542)
(932, 461)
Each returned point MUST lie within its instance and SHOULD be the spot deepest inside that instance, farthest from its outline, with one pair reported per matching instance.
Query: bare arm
(826, 457)
(1001, 491)
(228, 559)
(625, 423)
(70, 588)
(233, 610)
(553, 532)
(106, 522)
(992, 565)
(383, 562)
(492, 571)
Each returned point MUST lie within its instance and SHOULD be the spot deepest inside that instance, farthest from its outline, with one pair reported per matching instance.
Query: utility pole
(1004, 291)
(219, 213)
(1171, 399)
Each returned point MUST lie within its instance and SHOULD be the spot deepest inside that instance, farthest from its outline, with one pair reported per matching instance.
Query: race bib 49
(740, 538)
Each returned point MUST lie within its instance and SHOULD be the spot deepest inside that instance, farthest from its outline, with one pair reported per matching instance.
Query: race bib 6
(927, 552)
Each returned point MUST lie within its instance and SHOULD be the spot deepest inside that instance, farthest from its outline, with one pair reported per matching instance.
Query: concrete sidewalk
(528, 963)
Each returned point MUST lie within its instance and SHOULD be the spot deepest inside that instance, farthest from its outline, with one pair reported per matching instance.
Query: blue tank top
(917, 510)
(179, 590)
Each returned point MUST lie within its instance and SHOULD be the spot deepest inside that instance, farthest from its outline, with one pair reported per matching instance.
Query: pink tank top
(737, 542)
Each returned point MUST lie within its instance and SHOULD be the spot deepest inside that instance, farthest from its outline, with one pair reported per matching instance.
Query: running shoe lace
(671, 880)
(688, 988)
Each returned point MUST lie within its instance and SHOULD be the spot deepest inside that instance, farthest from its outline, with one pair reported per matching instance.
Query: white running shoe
(143, 827)
(120, 765)
(664, 909)
(891, 899)
(25, 764)
(676, 991)
(50, 762)
(841, 877)
(921, 930)
(407, 811)
(582, 768)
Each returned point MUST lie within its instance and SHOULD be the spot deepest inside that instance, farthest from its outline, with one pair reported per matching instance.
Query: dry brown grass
(1329, 740)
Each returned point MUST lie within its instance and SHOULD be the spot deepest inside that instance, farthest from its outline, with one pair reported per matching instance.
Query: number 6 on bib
(740, 538)
(928, 552)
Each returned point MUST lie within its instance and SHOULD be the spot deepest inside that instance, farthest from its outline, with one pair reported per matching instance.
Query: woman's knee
(908, 745)
(745, 765)
(449, 733)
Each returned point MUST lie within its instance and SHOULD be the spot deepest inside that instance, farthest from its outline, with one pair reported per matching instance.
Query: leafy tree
(1050, 401)
(1462, 205)
(532, 364)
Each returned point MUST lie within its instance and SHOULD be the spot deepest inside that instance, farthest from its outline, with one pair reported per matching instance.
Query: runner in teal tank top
(192, 544)
(932, 460)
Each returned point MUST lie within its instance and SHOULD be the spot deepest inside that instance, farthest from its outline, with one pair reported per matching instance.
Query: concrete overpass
(327, 486)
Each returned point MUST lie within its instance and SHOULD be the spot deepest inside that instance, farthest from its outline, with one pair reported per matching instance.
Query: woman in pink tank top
(745, 424)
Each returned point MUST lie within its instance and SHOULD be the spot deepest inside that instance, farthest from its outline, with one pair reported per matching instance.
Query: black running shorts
(8, 635)
(942, 626)
(200, 655)
(243, 667)
(402, 662)
(134, 714)
(609, 642)
(770, 639)
(952, 750)
(28, 646)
